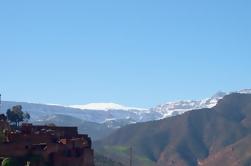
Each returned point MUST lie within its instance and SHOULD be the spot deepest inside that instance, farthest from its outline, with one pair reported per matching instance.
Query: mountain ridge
(109, 119)
(186, 139)
(103, 112)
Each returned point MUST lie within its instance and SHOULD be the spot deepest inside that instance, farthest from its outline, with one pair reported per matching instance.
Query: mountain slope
(104, 161)
(188, 138)
(179, 107)
(39, 111)
(237, 154)
(105, 112)
(109, 116)
(95, 130)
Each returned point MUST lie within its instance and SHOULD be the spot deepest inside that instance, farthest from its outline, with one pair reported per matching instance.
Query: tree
(16, 115)
(3, 117)
(26, 116)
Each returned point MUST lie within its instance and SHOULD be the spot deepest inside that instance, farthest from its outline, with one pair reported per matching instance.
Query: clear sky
(133, 52)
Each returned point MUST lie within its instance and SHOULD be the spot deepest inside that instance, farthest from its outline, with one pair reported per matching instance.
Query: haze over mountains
(109, 116)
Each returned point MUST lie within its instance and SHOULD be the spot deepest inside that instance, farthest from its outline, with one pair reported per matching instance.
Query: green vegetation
(118, 149)
(25, 160)
(9, 162)
(16, 115)
(104, 161)
(145, 161)
(121, 153)
(35, 159)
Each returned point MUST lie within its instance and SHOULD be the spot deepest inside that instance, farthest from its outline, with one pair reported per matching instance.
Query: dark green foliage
(16, 115)
(35, 159)
(104, 161)
(10, 162)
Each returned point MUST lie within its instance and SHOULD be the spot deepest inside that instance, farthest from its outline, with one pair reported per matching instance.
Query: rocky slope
(187, 139)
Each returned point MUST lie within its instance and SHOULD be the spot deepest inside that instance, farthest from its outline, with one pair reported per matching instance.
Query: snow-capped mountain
(179, 107)
(98, 113)
(245, 91)
(113, 114)
(100, 119)
(106, 107)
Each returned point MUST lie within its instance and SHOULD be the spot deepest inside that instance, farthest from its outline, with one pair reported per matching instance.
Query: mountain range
(109, 116)
(205, 132)
(214, 136)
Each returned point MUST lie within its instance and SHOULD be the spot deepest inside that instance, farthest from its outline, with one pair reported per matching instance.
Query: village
(46, 145)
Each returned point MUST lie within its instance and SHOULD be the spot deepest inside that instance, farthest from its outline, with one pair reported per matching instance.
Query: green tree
(16, 115)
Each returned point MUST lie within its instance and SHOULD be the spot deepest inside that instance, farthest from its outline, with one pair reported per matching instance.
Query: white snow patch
(105, 107)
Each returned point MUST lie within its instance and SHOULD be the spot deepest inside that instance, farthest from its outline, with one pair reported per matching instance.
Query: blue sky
(134, 52)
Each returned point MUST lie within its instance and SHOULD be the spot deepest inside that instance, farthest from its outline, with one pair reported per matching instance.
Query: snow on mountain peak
(182, 106)
(105, 107)
(245, 91)
(109, 112)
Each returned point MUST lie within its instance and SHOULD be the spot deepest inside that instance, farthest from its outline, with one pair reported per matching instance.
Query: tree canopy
(16, 115)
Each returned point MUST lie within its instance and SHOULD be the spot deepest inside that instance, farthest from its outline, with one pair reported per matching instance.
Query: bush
(9, 162)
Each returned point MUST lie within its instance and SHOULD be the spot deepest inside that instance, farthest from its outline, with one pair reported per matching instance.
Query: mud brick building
(56, 146)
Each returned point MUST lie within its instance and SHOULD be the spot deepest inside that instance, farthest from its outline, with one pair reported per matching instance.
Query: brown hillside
(188, 138)
(238, 154)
